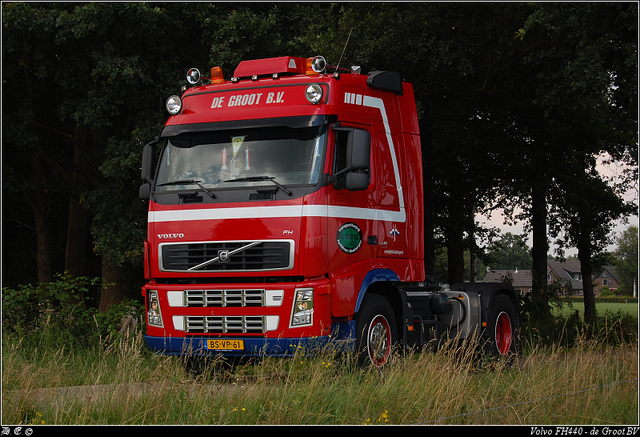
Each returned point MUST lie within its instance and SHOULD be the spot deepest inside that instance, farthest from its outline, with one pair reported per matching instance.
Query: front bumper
(253, 347)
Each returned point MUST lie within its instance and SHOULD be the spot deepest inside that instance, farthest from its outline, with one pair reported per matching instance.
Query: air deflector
(386, 81)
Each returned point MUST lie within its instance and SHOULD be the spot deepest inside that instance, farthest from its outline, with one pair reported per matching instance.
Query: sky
(610, 171)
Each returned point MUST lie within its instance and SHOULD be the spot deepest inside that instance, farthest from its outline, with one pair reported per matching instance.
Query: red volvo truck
(286, 211)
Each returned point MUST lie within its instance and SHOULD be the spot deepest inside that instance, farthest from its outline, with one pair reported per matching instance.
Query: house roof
(556, 271)
(611, 273)
(565, 272)
(519, 278)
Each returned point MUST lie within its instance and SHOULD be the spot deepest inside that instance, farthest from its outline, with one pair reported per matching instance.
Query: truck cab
(281, 203)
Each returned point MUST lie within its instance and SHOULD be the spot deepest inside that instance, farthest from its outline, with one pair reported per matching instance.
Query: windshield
(242, 158)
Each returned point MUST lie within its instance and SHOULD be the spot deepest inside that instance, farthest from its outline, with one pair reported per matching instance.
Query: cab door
(352, 213)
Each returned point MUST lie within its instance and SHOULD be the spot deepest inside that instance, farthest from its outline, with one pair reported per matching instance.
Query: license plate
(226, 345)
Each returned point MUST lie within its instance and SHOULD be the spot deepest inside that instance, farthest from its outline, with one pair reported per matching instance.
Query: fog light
(313, 93)
(154, 315)
(174, 105)
(302, 307)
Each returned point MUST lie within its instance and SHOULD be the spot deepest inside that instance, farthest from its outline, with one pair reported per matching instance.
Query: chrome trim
(224, 255)
(249, 244)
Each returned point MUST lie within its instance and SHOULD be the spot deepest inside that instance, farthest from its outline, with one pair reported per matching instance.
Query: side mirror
(358, 150)
(146, 174)
(358, 160)
(147, 170)
(144, 193)
(357, 181)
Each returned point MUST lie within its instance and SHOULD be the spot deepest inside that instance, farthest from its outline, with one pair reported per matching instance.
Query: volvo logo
(223, 256)
(170, 236)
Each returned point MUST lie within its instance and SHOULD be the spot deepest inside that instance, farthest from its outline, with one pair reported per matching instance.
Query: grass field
(125, 384)
(603, 307)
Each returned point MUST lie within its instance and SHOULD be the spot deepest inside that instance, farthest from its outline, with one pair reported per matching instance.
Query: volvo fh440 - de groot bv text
(286, 211)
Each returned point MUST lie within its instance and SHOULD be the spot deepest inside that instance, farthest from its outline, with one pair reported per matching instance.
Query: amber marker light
(216, 75)
(315, 66)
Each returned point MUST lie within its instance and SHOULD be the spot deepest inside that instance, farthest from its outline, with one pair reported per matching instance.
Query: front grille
(224, 298)
(226, 256)
(224, 324)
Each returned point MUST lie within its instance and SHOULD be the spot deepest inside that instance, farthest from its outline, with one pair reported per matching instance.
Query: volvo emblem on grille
(223, 256)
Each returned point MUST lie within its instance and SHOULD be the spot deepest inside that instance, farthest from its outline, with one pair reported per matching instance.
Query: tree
(76, 81)
(509, 253)
(626, 260)
(86, 83)
(585, 89)
(508, 98)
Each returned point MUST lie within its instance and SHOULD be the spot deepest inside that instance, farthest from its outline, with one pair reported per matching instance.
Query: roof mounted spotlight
(193, 76)
(315, 66)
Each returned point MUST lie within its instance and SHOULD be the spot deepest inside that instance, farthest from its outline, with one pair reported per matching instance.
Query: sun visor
(294, 122)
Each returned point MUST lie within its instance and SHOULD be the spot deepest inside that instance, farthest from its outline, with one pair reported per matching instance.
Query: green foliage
(59, 314)
(510, 96)
(626, 260)
(564, 327)
(509, 252)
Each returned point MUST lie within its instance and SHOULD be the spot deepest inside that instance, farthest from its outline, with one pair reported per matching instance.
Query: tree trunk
(428, 208)
(44, 256)
(75, 261)
(539, 250)
(454, 233)
(112, 291)
(429, 248)
(77, 226)
(584, 255)
(39, 202)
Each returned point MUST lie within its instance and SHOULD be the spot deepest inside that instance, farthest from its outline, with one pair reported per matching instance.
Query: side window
(351, 159)
(340, 159)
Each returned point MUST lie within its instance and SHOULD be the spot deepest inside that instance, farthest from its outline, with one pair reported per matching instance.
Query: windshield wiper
(262, 178)
(189, 182)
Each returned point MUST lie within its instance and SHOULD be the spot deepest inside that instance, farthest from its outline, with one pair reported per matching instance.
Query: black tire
(503, 328)
(375, 331)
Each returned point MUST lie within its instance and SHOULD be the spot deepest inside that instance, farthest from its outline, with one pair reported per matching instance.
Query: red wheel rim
(379, 341)
(503, 333)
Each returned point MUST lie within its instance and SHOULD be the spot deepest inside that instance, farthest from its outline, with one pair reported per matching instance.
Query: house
(520, 279)
(607, 278)
(567, 274)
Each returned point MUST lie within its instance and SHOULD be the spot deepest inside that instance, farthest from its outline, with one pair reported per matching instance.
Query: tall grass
(63, 363)
(122, 383)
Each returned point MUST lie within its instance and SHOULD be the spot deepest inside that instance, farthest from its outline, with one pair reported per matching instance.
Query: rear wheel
(503, 328)
(376, 331)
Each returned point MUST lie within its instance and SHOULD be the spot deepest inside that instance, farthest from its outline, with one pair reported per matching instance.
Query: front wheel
(503, 327)
(376, 331)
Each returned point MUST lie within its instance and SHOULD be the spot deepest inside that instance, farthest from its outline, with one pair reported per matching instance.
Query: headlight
(302, 307)
(174, 105)
(154, 315)
(313, 93)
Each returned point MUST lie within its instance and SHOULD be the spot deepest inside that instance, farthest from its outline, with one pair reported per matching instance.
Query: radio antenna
(345, 48)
